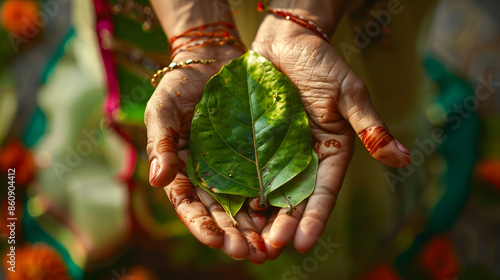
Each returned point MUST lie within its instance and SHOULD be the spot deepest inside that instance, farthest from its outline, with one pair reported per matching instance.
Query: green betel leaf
(231, 203)
(297, 189)
(250, 133)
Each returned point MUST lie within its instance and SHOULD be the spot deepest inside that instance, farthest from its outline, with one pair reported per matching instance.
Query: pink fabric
(104, 22)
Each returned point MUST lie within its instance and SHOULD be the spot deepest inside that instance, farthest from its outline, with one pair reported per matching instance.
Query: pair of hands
(338, 104)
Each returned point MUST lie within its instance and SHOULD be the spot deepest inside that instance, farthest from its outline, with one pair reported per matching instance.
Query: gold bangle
(160, 73)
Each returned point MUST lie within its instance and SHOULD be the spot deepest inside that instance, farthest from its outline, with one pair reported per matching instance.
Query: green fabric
(59, 52)
(134, 96)
(135, 90)
(459, 158)
(35, 129)
(456, 151)
(131, 31)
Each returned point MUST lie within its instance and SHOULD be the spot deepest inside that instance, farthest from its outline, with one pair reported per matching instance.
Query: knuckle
(325, 192)
(214, 207)
(315, 216)
(160, 104)
(182, 193)
(353, 86)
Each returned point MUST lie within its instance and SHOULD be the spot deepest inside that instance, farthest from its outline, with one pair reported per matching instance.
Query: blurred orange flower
(489, 171)
(15, 156)
(439, 259)
(37, 262)
(17, 16)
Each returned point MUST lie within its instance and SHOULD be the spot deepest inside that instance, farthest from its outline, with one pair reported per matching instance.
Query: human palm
(338, 105)
(168, 120)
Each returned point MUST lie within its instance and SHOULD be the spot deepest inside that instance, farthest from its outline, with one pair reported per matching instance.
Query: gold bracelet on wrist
(160, 73)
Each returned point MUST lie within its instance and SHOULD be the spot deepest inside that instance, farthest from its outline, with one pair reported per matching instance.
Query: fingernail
(401, 147)
(255, 204)
(154, 170)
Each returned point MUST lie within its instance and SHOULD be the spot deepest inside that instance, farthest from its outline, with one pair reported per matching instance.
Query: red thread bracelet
(201, 28)
(218, 37)
(302, 21)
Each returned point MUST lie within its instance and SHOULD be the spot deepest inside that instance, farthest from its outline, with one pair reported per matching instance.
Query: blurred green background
(74, 81)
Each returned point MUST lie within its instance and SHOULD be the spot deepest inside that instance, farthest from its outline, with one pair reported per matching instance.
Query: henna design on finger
(327, 148)
(169, 143)
(375, 137)
(254, 240)
(333, 142)
(317, 145)
(174, 134)
(211, 228)
(182, 191)
(166, 144)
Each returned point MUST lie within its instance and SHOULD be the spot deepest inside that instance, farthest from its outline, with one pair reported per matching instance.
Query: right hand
(339, 107)
(168, 122)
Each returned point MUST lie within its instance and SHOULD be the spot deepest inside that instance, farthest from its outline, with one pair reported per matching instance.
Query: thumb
(163, 125)
(356, 106)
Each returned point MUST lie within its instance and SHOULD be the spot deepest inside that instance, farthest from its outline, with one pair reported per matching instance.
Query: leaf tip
(235, 223)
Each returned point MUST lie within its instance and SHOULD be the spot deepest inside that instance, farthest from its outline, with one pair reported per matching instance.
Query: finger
(163, 126)
(259, 218)
(256, 246)
(285, 225)
(258, 214)
(272, 252)
(193, 213)
(235, 244)
(356, 106)
(320, 204)
(255, 205)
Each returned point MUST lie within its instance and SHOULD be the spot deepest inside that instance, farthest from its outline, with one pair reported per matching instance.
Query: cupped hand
(168, 120)
(339, 107)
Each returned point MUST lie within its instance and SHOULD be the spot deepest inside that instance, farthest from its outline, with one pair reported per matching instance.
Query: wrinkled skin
(338, 105)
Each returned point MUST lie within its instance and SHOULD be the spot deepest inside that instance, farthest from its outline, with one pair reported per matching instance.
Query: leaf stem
(235, 223)
(290, 206)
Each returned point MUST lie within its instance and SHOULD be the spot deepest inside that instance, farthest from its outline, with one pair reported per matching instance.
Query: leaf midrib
(262, 194)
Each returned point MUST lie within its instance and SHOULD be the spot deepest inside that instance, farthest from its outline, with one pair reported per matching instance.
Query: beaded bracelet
(160, 73)
(302, 21)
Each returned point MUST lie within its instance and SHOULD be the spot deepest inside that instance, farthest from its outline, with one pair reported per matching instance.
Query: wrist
(275, 28)
(211, 58)
(222, 54)
(324, 13)
(176, 16)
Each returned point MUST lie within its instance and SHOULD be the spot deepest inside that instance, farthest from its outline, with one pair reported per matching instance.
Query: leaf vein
(213, 168)
(286, 135)
(215, 129)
